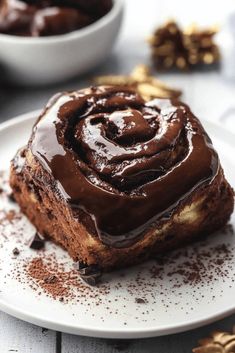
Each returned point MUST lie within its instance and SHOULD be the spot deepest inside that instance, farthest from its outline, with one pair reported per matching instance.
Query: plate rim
(112, 333)
(125, 333)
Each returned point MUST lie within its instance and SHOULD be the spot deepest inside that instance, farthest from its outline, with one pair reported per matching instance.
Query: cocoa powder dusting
(51, 277)
(47, 278)
(195, 267)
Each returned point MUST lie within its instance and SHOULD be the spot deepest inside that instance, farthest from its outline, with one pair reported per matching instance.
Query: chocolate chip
(90, 270)
(90, 274)
(79, 265)
(50, 279)
(61, 299)
(37, 242)
(11, 197)
(16, 251)
(92, 280)
(140, 301)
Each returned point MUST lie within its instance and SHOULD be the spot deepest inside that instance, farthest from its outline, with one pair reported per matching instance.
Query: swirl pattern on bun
(125, 163)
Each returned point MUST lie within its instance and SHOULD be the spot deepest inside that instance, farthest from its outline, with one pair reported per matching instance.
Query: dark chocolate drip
(124, 162)
(49, 17)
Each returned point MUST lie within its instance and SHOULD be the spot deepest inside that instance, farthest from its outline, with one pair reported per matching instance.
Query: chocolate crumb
(37, 242)
(51, 279)
(11, 216)
(140, 301)
(16, 251)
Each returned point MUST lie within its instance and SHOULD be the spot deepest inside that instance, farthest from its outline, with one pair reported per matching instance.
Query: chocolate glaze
(49, 17)
(124, 162)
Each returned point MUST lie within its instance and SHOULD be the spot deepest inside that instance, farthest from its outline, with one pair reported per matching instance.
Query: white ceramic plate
(177, 296)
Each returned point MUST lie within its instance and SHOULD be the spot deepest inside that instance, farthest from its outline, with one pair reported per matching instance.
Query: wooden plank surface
(21, 337)
(178, 343)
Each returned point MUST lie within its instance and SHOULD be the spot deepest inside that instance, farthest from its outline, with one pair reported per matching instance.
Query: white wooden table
(209, 95)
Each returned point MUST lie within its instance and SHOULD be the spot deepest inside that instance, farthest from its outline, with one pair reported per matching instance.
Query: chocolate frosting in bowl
(49, 17)
(123, 161)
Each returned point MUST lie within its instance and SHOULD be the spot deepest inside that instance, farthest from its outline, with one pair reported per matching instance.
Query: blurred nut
(140, 79)
(219, 342)
(173, 47)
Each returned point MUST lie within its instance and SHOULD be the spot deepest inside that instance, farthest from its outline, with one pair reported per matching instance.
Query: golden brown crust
(204, 211)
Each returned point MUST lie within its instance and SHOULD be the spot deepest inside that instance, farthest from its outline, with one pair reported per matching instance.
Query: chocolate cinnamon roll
(115, 179)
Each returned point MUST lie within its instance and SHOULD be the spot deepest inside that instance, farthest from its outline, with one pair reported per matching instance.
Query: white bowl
(52, 59)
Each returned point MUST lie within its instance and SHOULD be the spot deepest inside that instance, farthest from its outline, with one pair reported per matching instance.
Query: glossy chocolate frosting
(49, 17)
(124, 162)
